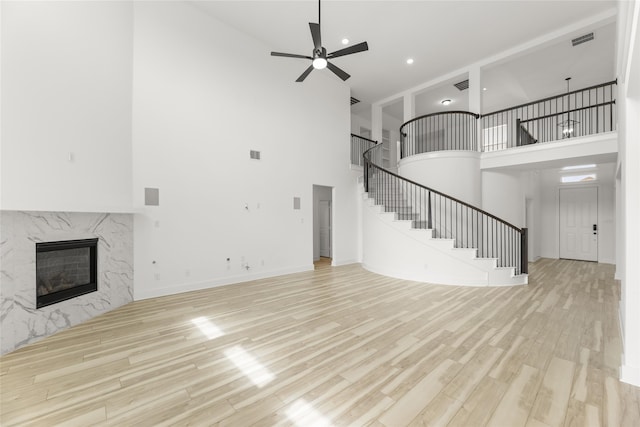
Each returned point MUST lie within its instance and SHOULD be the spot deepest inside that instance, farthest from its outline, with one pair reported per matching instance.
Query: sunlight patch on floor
(304, 415)
(207, 327)
(249, 366)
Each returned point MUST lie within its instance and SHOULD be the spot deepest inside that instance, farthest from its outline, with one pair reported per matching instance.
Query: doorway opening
(322, 226)
(579, 223)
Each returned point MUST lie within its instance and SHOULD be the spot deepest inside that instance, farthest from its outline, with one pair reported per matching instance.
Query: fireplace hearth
(65, 269)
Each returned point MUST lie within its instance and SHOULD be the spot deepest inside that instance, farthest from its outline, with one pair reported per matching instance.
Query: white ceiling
(441, 36)
(542, 72)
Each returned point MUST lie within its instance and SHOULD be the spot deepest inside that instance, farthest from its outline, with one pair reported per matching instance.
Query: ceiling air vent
(582, 39)
(254, 154)
(462, 85)
(354, 100)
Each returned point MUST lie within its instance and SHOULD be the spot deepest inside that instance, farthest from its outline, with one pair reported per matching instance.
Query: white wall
(455, 173)
(357, 122)
(503, 196)
(66, 106)
(629, 90)
(531, 185)
(203, 96)
(549, 230)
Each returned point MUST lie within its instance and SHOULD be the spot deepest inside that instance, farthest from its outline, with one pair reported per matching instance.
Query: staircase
(416, 233)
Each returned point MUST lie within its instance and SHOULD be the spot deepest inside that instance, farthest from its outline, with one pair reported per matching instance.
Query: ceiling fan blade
(305, 74)
(337, 71)
(290, 55)
(360, 47)
(315, 34)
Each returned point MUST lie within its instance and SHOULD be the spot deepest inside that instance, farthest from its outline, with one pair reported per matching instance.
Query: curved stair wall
(394, 248)
(415, 232)
(456, 173)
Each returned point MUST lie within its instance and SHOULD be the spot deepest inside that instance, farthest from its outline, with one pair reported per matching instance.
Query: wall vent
(354, 100)
(582, 39)
(152, 197)
(462, 85)
(255, 155)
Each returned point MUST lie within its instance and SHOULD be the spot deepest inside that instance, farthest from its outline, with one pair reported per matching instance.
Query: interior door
(579, 223)
(324, 219)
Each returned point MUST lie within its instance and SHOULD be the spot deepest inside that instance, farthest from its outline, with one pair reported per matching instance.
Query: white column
(629, 136)
(630, 371)
(475, 90)
(376, 122)
(475, 98)
(409, 110)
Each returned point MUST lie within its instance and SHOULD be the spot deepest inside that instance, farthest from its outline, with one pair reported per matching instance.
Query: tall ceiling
(441, 36)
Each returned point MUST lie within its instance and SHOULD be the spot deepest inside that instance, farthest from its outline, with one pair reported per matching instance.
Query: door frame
(317, 191)
(577, 187)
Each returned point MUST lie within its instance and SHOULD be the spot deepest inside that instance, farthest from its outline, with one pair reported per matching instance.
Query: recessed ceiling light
(410, 61)
(484, 88)
(345, 41)
(446, 102)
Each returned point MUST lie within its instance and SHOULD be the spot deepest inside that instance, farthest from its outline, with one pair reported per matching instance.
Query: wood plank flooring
(338, 346)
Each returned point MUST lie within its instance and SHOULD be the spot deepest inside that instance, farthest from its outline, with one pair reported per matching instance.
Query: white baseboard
(207, 284)
(618, 274)
(338, 263)
(630, 375)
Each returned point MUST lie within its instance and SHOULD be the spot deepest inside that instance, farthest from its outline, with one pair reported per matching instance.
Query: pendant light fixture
(568, 126)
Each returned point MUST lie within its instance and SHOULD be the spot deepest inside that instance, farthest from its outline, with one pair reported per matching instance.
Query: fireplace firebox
(65, 269)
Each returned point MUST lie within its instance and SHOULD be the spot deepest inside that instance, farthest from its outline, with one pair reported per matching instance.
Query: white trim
(618, 274)
(603, 144)
(630, 28)
(335, 263)
(448, 154)
(630, 375)
(208, 284)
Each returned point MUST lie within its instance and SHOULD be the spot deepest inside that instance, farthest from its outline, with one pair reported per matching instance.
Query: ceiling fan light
(319, 63)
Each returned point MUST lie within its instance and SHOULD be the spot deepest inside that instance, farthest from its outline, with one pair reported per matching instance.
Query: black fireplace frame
(65, 294)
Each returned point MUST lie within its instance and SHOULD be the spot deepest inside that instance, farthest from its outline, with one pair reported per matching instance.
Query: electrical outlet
(157, 276)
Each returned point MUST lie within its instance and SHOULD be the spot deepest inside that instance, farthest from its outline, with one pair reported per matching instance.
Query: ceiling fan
(319, 58)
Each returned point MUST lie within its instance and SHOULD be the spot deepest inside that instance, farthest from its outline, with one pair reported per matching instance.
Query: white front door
(579, 223)
(324, 220)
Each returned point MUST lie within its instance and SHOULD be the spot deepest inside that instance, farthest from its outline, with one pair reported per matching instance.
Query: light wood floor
(339, 346)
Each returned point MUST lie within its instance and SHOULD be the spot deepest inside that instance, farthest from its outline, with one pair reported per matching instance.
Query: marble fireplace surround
(21, 322)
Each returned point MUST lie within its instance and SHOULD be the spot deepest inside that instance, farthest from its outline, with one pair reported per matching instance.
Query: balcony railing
(359, 145)
(455, 130)
(579, 113)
